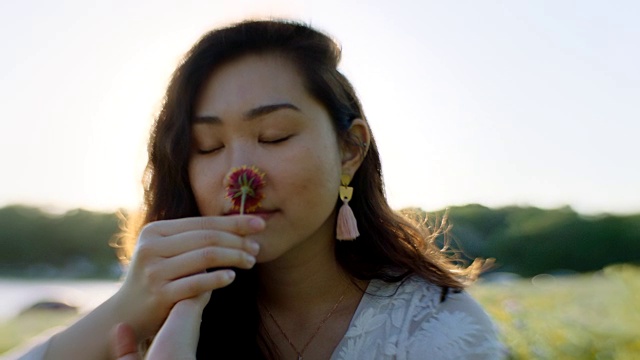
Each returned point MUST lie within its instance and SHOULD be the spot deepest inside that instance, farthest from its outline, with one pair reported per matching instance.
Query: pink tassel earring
(347, 227)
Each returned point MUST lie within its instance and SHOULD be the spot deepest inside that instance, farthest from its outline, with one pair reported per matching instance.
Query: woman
(266, 97)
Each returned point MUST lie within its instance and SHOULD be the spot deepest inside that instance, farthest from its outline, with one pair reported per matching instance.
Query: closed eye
(276, 140)
(209, 151)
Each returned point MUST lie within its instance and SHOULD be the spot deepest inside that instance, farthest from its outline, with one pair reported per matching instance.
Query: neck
(307, 300)
(303, 279)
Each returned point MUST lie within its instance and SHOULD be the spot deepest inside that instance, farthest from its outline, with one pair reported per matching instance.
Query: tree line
(530, 241)
(523, 240)
(36, 243)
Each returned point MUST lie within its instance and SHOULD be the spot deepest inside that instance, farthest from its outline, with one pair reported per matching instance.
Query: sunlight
(462, 110)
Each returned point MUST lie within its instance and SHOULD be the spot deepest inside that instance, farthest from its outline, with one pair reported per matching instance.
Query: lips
(263, 213)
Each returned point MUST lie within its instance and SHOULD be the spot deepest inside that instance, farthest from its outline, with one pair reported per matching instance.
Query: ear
(355, 147)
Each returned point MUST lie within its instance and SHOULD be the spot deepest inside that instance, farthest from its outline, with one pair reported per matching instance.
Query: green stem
(242, 200)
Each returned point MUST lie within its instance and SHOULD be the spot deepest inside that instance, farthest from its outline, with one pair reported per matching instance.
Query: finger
(197, 261)
(178, 337)
(237, 224)
(195, 285)
(124, 342)
(196, 239)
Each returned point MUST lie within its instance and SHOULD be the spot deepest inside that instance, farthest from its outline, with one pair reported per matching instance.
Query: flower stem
(243, 199)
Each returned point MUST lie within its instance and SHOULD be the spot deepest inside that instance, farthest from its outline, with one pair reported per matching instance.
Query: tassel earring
(347, 227)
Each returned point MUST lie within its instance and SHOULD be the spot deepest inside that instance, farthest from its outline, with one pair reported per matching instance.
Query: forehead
(248, 82)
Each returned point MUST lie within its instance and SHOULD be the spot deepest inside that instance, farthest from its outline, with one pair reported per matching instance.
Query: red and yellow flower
(244, 188)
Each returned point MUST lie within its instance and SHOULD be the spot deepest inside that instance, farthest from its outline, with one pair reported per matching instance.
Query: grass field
(591, 316)
(23, 328)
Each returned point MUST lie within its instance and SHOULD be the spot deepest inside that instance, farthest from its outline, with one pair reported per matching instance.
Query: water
(18, 294)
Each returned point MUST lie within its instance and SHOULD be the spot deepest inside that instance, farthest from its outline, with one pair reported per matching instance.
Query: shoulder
(408, 319)
(456, 327)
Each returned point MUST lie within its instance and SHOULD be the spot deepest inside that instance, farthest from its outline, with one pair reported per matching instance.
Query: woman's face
(256, 111)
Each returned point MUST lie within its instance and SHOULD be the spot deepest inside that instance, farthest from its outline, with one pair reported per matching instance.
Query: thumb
(123, 342)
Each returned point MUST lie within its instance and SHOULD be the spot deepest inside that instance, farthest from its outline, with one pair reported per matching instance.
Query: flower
(244, 185)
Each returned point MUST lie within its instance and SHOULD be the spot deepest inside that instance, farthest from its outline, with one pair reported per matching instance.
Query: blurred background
(520, 118)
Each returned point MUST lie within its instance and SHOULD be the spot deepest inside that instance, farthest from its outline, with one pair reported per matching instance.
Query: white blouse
(406, 322)
(410, 322)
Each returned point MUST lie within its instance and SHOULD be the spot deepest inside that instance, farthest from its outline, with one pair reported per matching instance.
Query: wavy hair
(391, 246)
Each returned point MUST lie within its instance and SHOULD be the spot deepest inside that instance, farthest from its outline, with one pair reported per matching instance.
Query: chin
(263, 259)
(268, 253)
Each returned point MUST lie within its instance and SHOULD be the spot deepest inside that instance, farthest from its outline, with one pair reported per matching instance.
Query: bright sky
(494, 102)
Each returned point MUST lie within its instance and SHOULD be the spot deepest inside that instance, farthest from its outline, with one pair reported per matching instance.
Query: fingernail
(256, 223)
(249, 259)
(229, 275)
(254, 247)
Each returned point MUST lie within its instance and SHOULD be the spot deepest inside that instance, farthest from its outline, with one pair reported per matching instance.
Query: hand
(177, 339)
(170, 261)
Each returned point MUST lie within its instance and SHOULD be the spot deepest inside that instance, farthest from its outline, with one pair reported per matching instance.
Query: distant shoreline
(85, 294)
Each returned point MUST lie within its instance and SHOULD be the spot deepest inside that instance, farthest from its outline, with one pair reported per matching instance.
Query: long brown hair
(390, 246)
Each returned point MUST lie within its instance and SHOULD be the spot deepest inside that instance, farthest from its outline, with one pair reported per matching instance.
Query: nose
(241, 152)
(243, 177)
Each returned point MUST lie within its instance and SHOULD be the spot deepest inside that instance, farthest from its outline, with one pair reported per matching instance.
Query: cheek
(205, 182)
(309, 174)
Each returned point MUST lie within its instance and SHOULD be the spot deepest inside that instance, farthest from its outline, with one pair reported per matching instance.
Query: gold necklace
(301, 352)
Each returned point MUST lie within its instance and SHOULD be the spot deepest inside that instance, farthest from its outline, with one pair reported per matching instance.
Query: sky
(531, 103)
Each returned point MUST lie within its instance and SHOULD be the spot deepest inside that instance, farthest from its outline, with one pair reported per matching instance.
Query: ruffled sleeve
(458, 328)
(410, 321)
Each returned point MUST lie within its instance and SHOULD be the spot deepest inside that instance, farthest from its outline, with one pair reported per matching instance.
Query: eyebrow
(249, 115)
